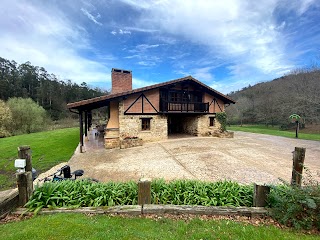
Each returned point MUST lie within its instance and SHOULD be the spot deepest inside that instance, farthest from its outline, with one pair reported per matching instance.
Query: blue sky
(226, 44)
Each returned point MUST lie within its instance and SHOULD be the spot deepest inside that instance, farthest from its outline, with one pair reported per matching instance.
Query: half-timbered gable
(152, 113)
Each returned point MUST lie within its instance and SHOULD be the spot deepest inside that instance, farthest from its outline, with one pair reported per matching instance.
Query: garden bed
(130, 142)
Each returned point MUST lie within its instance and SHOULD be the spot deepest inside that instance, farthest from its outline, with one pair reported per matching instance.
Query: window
(145, 124)
(211, 121)
(174, 97)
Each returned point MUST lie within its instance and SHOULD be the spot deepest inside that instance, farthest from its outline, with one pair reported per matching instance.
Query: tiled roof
(83, 103)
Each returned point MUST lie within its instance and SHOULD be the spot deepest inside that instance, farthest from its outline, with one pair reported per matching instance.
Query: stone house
(151, 113)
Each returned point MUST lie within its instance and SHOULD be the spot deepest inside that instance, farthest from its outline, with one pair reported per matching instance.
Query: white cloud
(121, 32)
(132, 56)
(138, 83)
(240, 31)
(141, 52)
(144, 47)
(144, 30)
(91, 17)
(124, 31)
(147, 64)
(202, 74)
(46, 38)
(303, 5)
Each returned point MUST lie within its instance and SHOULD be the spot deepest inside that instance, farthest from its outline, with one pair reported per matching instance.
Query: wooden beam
(142, 97)
(125, 112)
(150, 103)
(81, 130)
(89, 120)
(85, 123)
(219, 106)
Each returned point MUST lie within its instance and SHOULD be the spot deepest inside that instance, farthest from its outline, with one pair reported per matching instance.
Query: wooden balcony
(183, 107)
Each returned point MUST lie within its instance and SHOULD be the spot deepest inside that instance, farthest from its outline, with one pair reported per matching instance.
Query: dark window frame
(145, 124)
(212, 121)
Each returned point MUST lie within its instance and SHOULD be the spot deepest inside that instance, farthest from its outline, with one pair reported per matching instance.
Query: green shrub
(296, 207)
(222, 119)
(82, 193)
(27, 116)
(5, 119)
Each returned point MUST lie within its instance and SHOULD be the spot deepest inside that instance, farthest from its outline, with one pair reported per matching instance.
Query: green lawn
(48, 149)
(79, 226)
(273, 131)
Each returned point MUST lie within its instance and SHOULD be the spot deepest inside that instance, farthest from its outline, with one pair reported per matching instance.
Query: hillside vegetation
(46, 89)
(273, 102)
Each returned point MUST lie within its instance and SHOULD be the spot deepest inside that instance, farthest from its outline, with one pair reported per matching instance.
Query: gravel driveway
(246, 158)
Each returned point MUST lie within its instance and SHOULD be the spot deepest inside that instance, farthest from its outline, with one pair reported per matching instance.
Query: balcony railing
(191, 107)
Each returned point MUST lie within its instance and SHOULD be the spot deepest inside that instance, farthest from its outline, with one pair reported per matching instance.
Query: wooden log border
(9, 202)
(157, 209)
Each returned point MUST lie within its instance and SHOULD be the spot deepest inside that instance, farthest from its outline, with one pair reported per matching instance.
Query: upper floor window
(174, 97)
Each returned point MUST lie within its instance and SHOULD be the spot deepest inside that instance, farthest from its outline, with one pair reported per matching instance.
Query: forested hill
(273, 102)
(50, 92)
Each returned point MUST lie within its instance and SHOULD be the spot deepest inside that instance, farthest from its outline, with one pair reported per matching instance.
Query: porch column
(86, 125)
(89, 120)
(81, 130)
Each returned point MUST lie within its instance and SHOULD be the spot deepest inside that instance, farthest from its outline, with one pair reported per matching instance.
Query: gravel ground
(246, 158)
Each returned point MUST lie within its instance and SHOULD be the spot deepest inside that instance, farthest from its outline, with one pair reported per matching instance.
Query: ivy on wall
(222, 119)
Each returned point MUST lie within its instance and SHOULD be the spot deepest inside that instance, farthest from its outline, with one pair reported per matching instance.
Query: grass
(79, 226)
(48, 149)
(262, 129)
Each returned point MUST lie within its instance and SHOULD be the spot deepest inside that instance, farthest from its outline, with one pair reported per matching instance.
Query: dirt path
(246, 158)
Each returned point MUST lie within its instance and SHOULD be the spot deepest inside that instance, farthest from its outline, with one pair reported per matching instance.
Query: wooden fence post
(260, 195)
(297, 168)
(25, 187)
(24, 152)
(144, 191)
(24, 179)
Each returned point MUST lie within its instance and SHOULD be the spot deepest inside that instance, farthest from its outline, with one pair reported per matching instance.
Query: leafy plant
(192, 192)
(222, 119)
(83, 193)
(296, 207)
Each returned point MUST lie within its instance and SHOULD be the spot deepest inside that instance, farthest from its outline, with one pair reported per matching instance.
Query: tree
(50, 92)
(27, 115)
(5, 119)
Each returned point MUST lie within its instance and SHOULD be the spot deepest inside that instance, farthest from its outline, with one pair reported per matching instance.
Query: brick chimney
(121, 80)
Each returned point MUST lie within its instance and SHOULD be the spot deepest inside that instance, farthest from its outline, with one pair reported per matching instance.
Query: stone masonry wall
(130, 126)
(204, 128)
(190, 125)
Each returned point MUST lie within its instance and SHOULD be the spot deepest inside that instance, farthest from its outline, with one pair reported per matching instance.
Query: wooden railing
(168, 106)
